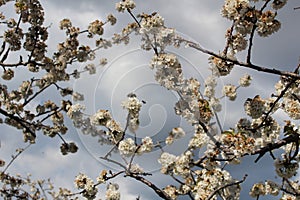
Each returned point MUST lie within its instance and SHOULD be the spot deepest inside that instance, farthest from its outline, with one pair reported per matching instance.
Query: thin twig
(225, 186)
(115, 162)
(242, 64)
(15, 157)
(158, 191)
(36, 94)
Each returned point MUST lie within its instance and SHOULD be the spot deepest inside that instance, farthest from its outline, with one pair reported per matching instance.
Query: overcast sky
(128, 71)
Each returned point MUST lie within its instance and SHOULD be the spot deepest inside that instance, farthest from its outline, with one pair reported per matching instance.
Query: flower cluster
(18, 187)
(238, 42)
(151, 24)
(65, 24)
(127, 147)
(110, 18)
(255, 107)
(66, 148)
(268, 133)
(84, 182)
(167, 161)
(96, 27)
(124, 5)
(291, 93)
(13, 37)
(266, 188)
(112, 192)
(292, 107)
(245, 80)
(208, 181)
(168, 70)
(286, 168)
(230, 91)
(75, 111)
(210, 85)
(233, 9)
(101, 117)
(8, 74)
(176, 133)
(102, 177)
(133, 106)
(146, 145)
(220, 67)
(237, 144)
(245, 16)
(267, 24)
(199, 139)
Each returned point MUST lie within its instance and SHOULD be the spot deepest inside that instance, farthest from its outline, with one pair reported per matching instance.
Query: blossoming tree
(195, 175)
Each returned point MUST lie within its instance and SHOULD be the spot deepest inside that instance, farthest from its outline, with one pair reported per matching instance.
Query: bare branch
(243, 64)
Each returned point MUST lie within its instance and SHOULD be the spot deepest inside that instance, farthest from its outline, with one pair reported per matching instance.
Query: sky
(128, 71)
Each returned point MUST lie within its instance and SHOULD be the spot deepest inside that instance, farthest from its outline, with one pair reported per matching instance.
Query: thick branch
(262, 151)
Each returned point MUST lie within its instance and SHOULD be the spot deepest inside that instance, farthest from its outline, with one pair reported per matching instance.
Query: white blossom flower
(112, 192)
(96, 27)
(230, 91)
(82, 180)
(133, 105)
(182, 164)
(292, 108)
(272, 188)
(127, 147)
(146, 146)
(198, 140)
(126, 4)
(65, 24)
(90, 68)
(171, 191)
(103, 61)
(177, 132)
(245, 80)
(232, 9)
(267, 24)
(111, 19)
(151, 24)
(135, 168)
(8, 74)
(286, 169)
(102, 177)
(77, 96)
(221, 67)
(257, 190)
(75, 111)
(239, 43)
(101, 117)
(255, 107)
(167, 161)
(215, 104)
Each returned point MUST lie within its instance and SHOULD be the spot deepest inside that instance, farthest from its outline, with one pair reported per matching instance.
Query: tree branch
(225, 186)
(242, 64)
(262, 151)
(158, 191)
